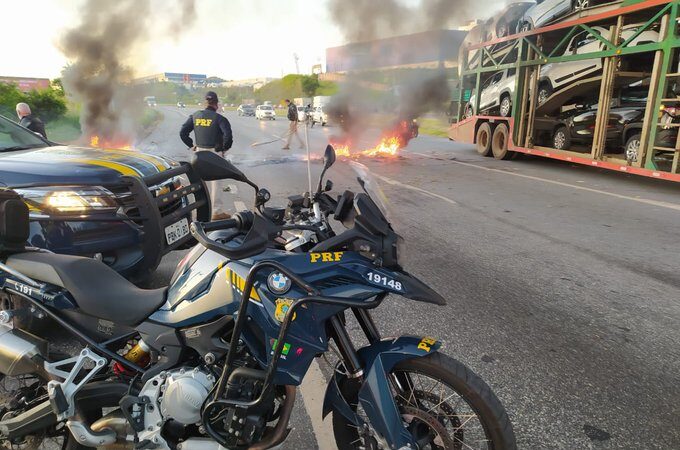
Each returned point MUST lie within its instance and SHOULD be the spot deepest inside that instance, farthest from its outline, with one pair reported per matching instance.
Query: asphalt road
(562, 280)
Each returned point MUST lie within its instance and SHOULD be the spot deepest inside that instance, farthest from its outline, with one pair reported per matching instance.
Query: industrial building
(191, 79)
(430, 49)
(26, 84)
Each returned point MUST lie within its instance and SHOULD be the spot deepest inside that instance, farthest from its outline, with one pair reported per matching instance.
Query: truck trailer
(621, 112)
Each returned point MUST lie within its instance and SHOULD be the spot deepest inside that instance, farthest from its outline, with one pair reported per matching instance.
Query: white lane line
(673, 206)
(414, 188)
(313, 389)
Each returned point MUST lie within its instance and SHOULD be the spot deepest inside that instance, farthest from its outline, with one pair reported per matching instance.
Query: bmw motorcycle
(213, 361)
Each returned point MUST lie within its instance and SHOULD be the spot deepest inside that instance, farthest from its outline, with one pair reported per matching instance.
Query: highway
(562, 280)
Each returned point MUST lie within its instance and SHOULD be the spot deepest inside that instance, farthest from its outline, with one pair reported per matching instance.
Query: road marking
(415, 188)
(313, 389)
(673, 206)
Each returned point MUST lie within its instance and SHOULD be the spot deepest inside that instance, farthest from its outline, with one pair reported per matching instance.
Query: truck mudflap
(374, 393)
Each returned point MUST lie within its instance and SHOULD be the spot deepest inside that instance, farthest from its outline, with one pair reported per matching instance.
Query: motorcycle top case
(14, 226)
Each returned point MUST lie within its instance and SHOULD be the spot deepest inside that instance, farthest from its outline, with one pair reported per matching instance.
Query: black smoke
(103, 48)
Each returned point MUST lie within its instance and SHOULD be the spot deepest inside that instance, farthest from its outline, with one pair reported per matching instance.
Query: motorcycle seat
(98, 290)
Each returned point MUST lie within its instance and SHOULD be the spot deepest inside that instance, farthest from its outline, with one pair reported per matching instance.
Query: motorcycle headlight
(69, 199)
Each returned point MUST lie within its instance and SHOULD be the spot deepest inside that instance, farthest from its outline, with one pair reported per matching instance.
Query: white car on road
(265, 112)
(319, 116)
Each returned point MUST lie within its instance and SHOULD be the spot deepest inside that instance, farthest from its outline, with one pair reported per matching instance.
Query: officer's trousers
(213, 188)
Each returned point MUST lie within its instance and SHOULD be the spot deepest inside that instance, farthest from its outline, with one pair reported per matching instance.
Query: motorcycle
(212, 361)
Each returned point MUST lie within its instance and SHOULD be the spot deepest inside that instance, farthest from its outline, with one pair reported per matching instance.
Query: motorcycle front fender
(375, 394)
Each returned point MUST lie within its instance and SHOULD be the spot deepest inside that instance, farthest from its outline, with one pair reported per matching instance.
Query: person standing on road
(28, 120)
(212, 133)
(293, 125)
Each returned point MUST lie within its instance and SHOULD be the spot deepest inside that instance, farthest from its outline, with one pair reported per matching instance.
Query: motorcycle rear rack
(313, 296)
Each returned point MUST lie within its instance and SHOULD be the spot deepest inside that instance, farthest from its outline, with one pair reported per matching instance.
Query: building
(255, 83)
(191, 79)
(430, 49)
(26, 84)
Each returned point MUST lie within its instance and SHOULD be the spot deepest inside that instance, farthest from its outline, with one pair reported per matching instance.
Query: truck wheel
(632, 148)
(484, 139)
(578, 5)
(506, 106)
(499, 142)
(562, 139)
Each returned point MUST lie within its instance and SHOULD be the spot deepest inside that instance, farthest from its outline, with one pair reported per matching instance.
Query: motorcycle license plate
(176, 231)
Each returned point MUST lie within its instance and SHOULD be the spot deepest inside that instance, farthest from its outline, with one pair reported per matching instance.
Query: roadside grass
(434, 126)
(64, 130)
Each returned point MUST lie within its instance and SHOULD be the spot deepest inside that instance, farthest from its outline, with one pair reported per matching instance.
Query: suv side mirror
(210, 166)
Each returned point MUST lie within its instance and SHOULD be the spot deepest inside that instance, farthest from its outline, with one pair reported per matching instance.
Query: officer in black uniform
(212, 133)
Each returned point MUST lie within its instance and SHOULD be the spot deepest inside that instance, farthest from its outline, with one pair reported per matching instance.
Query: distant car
(319, 116)
(546, 11)
(497, 91)
(151, 103)
(265, 112)
(245, 110)
(181, 105)
(302, 113)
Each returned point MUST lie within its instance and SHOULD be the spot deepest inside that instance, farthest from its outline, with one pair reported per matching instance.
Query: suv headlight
(69, 199)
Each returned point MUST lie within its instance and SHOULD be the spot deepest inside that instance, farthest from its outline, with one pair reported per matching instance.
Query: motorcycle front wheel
(443, 404)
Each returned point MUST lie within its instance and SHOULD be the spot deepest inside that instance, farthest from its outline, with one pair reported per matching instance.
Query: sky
(232, 39)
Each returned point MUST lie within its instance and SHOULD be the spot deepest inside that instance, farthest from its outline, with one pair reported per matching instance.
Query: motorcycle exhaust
(21, 353)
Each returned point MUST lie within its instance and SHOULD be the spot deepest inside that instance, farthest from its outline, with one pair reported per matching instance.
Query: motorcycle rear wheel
(437, 414)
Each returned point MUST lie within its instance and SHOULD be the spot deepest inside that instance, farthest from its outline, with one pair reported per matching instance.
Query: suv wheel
(579, 5)
(506, 106)
(544, 93)
(632, 148)
(561, 139)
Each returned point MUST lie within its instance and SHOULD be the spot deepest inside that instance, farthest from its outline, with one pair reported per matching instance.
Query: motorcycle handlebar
(255, 240)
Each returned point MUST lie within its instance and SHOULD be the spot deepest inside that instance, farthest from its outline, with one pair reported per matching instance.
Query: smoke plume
(103, 49)
(362, 20)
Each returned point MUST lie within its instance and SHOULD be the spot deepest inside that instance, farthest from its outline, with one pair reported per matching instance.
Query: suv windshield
(15, 137)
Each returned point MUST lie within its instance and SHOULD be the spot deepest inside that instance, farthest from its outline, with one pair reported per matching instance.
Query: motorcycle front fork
(338, 333)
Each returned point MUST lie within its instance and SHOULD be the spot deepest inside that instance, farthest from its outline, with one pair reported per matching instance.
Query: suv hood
(77, 165)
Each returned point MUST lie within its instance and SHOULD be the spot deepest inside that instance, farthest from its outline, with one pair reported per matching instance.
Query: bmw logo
(278, 283)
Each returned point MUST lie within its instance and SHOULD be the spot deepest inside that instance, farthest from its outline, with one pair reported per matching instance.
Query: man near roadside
(28, 120)
(293, 125)
(212, 133)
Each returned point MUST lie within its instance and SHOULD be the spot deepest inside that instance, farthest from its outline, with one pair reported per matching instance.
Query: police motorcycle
(213, 360)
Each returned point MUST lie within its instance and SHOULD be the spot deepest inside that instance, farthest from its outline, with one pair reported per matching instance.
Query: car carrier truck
(624, 115)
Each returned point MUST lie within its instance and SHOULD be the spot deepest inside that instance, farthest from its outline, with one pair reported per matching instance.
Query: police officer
(212, 133)
(28, 120)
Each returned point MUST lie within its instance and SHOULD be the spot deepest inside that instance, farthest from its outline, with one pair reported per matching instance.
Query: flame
(388, 147)
(97, 142)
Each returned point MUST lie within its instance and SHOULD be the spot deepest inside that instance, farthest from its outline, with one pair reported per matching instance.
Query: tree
(10, 95)
(48, 104)
(310, 84)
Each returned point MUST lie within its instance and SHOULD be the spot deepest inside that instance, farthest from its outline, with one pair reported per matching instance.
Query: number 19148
(383, 280)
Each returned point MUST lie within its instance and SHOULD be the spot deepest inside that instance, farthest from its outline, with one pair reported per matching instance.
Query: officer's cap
(211, 97)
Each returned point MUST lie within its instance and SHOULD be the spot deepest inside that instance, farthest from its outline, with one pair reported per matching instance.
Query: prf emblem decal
(278, 283)
(282, 307)
(426, 343)
(325, 257)
(202, 122)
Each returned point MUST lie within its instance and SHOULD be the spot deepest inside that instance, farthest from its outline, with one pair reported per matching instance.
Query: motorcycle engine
(176, 396)
(183, 394)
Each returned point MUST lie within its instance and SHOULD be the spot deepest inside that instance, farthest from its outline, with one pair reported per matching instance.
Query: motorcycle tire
(463, 381)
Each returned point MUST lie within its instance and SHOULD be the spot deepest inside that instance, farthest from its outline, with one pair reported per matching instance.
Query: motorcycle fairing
(375, 393)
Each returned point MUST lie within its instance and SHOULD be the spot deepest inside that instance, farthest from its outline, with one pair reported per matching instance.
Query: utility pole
(297, 63)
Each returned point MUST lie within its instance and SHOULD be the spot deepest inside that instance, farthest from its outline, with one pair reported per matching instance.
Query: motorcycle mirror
(210, 166)
(329, 186)
(328, 157)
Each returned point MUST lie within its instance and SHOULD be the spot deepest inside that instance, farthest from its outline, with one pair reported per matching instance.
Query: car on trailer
(124, 207)
(546, 11)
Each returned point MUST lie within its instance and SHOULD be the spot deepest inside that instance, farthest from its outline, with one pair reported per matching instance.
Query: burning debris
(102, 50)
(389, 145)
